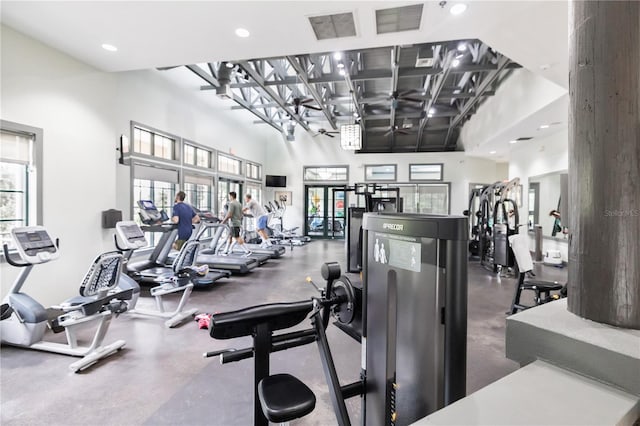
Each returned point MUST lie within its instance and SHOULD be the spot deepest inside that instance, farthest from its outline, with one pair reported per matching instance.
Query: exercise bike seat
(243, 322)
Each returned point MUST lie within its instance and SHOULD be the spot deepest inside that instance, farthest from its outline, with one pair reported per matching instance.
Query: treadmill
(274, 252)
(155, 220)
(147, 271)
(219, 240)
(232, 263)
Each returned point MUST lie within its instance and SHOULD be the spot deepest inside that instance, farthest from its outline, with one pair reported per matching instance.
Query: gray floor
(161, 378)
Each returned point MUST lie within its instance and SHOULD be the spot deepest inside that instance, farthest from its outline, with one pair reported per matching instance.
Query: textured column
(604, 161)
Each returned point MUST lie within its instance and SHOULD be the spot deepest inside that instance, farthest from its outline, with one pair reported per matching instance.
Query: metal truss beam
(214, 82)
(296, 63)
(373, 74)
(395, 67)
(503, 63)
(253, 72)
(438, 84)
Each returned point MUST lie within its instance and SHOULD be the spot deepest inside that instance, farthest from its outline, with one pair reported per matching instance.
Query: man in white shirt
(252, 207)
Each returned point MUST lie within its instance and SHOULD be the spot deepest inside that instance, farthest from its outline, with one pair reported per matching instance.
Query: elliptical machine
(27, 321)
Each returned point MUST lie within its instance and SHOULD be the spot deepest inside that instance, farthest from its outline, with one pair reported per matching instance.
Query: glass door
(224, 187)
(325, 211)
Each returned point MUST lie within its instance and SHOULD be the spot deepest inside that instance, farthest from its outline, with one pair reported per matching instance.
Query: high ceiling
(405, 98)
(394, 104)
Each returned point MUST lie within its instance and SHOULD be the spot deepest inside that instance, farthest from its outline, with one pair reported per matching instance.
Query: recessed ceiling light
(458, 8)
(241, 32)
(462, 46)
(341, 71)
(430, 115)
(340, 65)
(432, 110)
(544, 126)
(229, 64)
(513, 141)
(109, 47)
(455, 62)
(492, 152)
(337, 55)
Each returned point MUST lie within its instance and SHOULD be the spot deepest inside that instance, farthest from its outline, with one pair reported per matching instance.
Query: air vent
(425, 57)
(333, 26)
(524, 139)
(398, 19)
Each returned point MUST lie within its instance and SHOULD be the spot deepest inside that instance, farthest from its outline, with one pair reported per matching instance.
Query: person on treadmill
(252, 207)
(235, 216)
(184, 215)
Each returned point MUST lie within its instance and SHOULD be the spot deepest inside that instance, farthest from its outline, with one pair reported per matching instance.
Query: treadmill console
(149, 214)
(130, 235)
(34, 244)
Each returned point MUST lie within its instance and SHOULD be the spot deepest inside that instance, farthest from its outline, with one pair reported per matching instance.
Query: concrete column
(604, 161)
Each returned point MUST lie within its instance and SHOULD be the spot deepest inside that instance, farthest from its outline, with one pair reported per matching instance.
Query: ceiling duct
(396, 19)
(224, 80)
(333, 26)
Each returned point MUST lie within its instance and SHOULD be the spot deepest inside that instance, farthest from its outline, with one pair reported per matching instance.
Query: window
(256, 191)
(196, 156)
(154, 144)
(198, 191)
(425, 198)
(339, 173)
(382, 172)
(224, 187)
(20, 197)
(425, 172)
(254, 171)
(229, 165)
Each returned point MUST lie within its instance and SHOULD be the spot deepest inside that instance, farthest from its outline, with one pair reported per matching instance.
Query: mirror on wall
(547, 204)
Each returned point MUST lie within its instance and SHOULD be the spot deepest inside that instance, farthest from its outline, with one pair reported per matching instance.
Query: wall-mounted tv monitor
(276, 181)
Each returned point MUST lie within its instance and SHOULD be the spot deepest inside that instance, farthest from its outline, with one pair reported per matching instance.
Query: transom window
(381, 172)
(254, 171)
(425, 172)
(229, 165)
(338, 173)
(153, 144)
(196, 156)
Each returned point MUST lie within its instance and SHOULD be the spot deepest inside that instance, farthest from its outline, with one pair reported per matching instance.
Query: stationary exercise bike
(26, 319)
(283, 397)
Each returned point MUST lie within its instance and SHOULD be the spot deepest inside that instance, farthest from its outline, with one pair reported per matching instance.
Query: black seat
(284, 398)
(542, 290)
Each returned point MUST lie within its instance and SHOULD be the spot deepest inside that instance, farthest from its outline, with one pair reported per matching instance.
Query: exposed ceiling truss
(405, 98)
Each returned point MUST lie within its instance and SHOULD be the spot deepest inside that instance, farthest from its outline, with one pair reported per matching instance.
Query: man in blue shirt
(185, 217)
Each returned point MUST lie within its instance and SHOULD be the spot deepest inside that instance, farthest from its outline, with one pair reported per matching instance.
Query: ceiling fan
(404, 96)
(399, 130)
(298, 102)
(326, 133)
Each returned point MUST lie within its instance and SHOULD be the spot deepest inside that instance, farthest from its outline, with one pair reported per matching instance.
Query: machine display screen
(147, 205)
(33, 242)
(133, 232)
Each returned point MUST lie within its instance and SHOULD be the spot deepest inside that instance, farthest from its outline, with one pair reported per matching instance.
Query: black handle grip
(10, 261)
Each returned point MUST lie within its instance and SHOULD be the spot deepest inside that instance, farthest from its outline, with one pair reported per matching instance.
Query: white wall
(289, 158)
(538, 157)
(82, 112)
(521, 103)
